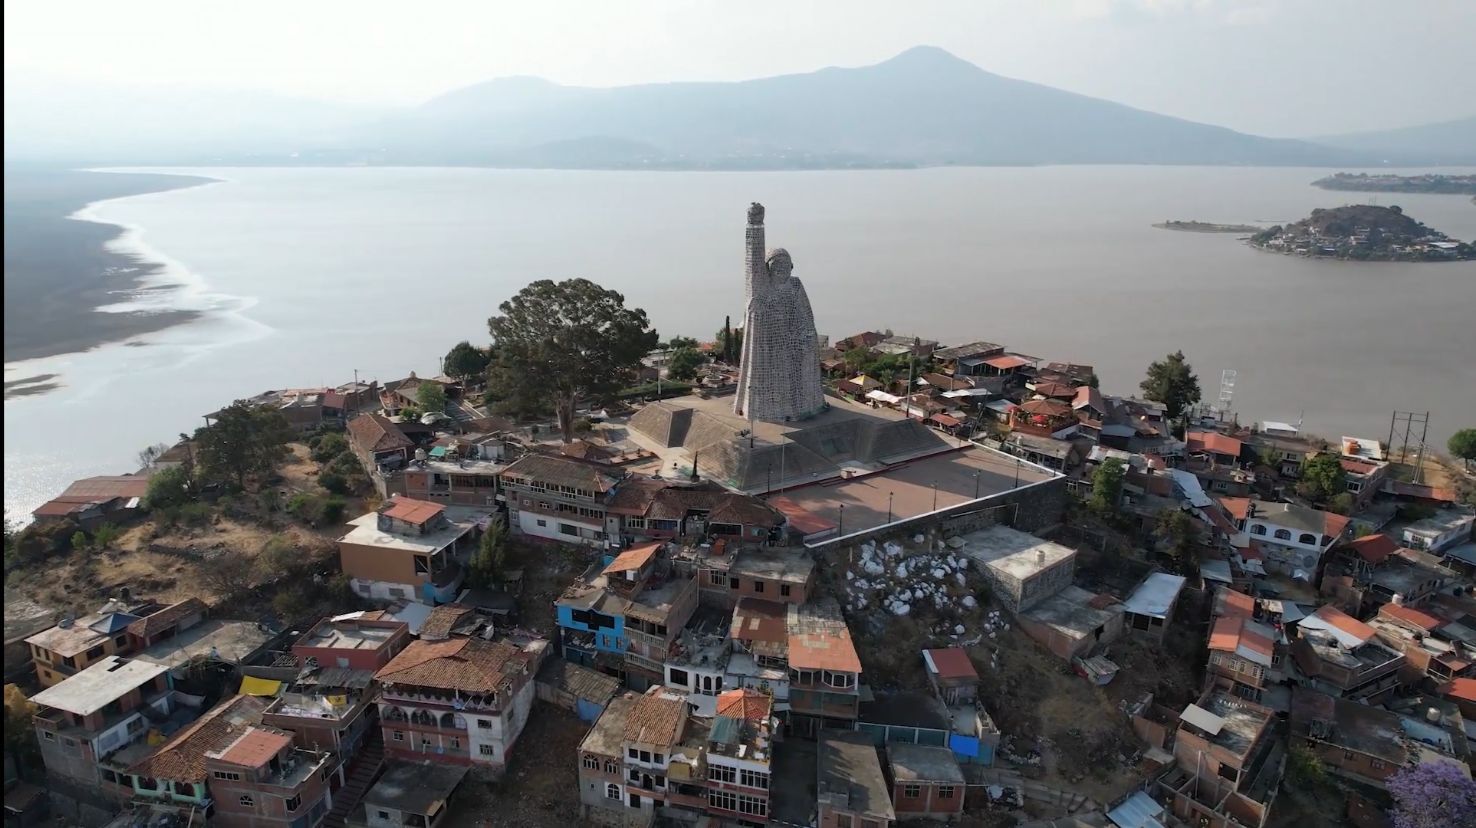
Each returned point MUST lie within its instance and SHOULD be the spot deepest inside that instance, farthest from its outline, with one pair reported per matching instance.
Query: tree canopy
(465, 361)
(1462, 445)
(246, 441)
(1179, 534)
(563, 342)
(684, 363)
(431, 398)
(731, 341)
(169, 487)
(1432, 795)
(1107, 486)
(1322, 478)
(485, 567)
(1172, 382)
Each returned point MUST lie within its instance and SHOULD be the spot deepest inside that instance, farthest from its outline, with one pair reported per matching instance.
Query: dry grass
(541, 786)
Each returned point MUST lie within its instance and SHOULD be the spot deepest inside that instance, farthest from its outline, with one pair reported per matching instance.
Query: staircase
(363, 770)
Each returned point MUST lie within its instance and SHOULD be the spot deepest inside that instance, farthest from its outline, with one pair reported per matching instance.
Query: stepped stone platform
(757, 456)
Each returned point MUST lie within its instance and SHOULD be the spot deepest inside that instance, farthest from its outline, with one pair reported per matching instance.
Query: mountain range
(924, 107)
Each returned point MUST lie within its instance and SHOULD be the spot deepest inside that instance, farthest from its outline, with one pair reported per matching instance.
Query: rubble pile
(931, 582)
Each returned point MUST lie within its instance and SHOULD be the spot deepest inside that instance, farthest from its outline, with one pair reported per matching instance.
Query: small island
(1207, 227)
(1363, 232)
(1379, 183)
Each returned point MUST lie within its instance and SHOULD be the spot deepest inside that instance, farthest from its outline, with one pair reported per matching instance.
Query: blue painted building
(591, 619)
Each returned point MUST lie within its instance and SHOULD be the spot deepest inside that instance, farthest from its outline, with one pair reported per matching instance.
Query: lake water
(308, 274)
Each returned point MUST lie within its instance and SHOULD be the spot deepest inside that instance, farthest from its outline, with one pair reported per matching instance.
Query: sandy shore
(58, 270)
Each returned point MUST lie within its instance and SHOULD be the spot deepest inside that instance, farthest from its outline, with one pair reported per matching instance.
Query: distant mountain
(923, 107)
(1448, 142)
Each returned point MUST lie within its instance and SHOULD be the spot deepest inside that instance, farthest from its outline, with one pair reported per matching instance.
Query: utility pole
(889, 507)
(840, 525)
(976, 485)
(935, 495)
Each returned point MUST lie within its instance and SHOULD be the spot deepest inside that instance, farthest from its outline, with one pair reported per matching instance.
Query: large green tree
(730, 339)
(566, 342)
(431, 398)
(485, 567)
(684, 363)
(1178, 534)
(465, 361)
(245, 442)
(1107, 486)
(1322, 478)
(1462, 445)
(1172, 382)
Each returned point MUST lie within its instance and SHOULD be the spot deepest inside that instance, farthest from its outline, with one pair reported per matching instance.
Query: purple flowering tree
(1433, 795)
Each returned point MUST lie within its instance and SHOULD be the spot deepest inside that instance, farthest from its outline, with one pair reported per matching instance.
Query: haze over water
(323, 271)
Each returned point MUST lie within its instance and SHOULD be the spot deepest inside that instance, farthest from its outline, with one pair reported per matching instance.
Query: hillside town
(772, 579)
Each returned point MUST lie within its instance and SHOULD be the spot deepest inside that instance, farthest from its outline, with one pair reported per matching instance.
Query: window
(1308, 538)
(784, 590)
(840, 680)
(912, 791)
(612, 791)
(658, 759)
(632, 753)
(678, 677)
(425, 744)
(722, 773)
(843, 821)
(732, 583)
(591, 763)
(294, 803)
(422, 565)
(456, 743)
(725, 800)
(231, 776)
(94, 653)
(109, 776)
(543, 523)
(488, 750)
(945, 791)
(1257, 529)
(1283, 534)
(758, 586)
(611, 767)
(48, 736)
(635, 775)
(646, 756)
(1378, 764)
(717, 578)
(753, 779)
(384, 815)
(566, 529)
(635, 523)
(247, 802)
(485, 724)
(399, 735)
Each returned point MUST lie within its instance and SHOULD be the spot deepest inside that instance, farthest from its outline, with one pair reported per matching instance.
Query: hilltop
(1364, 232)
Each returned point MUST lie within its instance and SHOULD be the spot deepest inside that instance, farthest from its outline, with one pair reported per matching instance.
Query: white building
(1293, 537)
(1442, 531)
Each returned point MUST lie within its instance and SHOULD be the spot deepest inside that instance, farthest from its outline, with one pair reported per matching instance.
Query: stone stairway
(363, 770)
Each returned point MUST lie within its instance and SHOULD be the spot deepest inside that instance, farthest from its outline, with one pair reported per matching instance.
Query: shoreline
(1207, 227)
(69, 287)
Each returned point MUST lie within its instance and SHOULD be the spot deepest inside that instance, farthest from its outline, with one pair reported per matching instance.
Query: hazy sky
(1274, 67)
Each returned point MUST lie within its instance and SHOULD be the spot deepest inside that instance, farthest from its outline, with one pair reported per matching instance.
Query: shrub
(333, 509)
(79, 539)
(334, 482)
(40, 541)
(105, 536)
(329, 447)
(168, 487)
(194, 514)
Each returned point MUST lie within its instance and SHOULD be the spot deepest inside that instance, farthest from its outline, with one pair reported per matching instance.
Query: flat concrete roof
(228, 641)
(366, 532)
(607, 736)
(774, 564)
(1012, 552)
(1070, 613)
(849, 765)
(416, 787)
(923, 763)
(345, 635)
(909, 487)
(91, 690)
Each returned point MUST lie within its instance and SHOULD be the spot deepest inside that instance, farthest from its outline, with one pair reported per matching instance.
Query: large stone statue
(779, 379)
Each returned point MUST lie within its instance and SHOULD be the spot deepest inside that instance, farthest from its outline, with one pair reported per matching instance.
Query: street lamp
(976, 485)
(889, 507)
(1017, 472)
(935, 495)
(769, 478)
(840, 526)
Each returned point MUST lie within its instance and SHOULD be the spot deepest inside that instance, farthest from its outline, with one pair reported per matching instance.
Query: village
(770, 579)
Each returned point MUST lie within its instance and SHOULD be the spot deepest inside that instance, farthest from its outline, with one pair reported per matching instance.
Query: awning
(253, 686)
(883, 397)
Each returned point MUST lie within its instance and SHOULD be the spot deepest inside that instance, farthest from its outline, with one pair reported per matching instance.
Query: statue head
(780, 265)
(755, 213)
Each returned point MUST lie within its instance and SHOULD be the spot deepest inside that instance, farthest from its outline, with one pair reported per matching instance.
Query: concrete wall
(1029, 508)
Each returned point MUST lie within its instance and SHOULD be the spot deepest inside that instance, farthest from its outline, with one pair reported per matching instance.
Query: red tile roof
(1049, 408)
(1416, 618)
(1416, 490)
(182, 758)
(1355, 467)
(757, 620)
(1055, 389)
(412, 511)
(1462, 688)
(1005, 362)
(655, 719)
(1374, 548)
(1213, 442)
(1088, 397)
(468, 665)
(633, 558)
(374, 432)
(1345, 622)
(945, 420)
(256, 747)
(953, 663)
(745, 703)
(1334, 524)
(1234, 634)
(166, 618)
(1234, 604)
(1238, 507)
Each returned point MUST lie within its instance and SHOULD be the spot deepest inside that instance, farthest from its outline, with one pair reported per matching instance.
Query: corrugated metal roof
(1202, 719)
(1139, 811)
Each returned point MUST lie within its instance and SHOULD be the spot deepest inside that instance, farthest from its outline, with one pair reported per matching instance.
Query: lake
(305, 275)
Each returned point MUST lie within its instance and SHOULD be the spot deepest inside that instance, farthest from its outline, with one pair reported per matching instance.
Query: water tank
(1433, 715)
(420, 455)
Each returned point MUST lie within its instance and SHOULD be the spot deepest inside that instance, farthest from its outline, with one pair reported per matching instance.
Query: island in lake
(1379, 183)
(1207, 227)
(1363, 232)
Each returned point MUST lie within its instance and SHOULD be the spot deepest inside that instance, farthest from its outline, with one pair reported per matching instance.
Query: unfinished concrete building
(779, 380)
